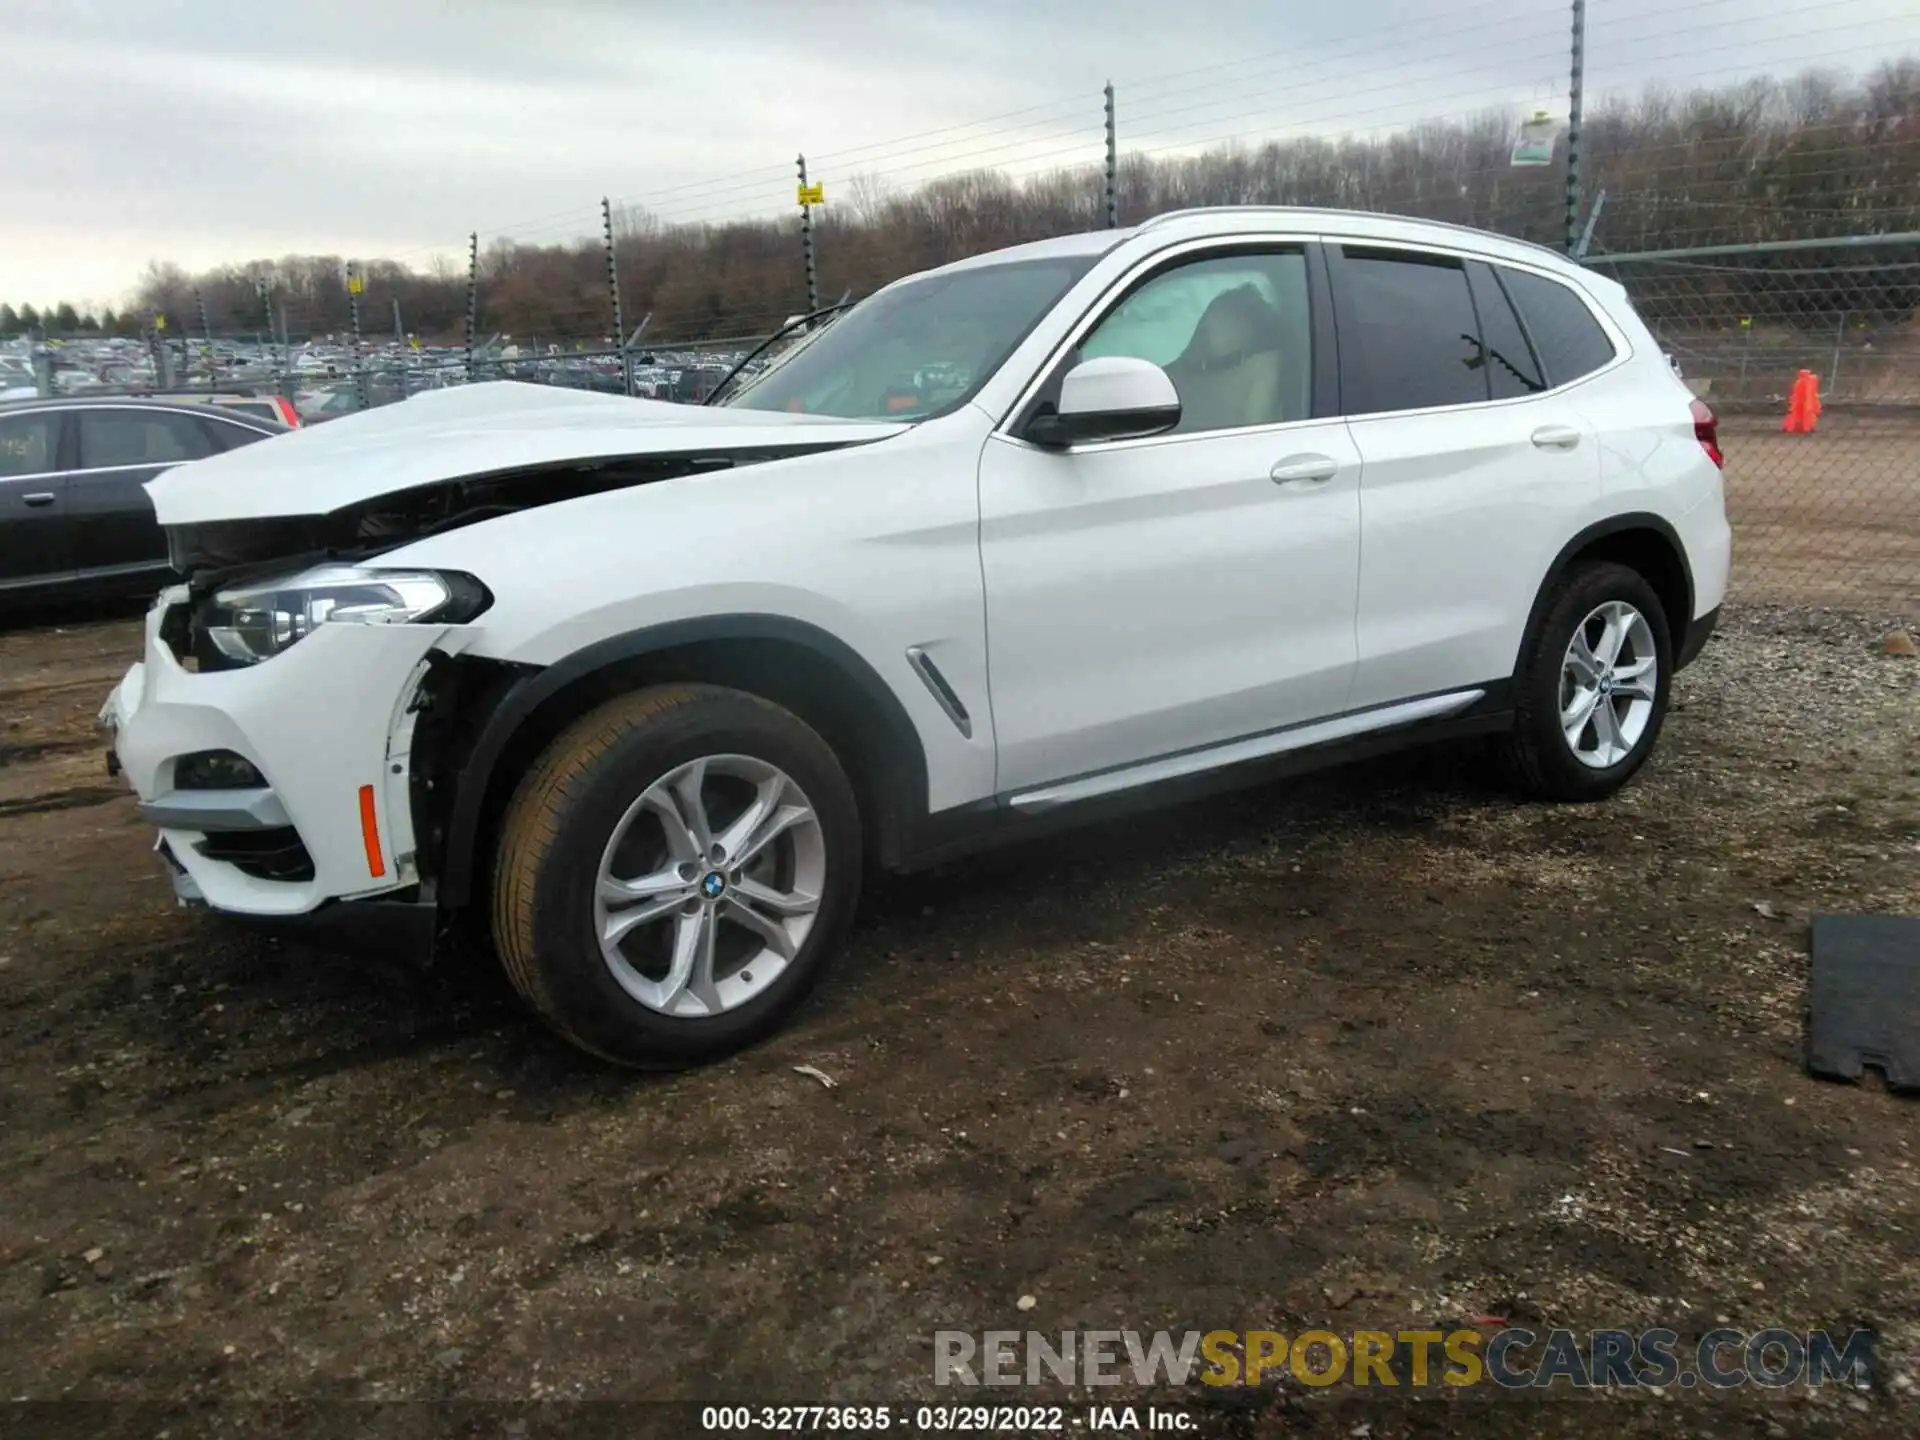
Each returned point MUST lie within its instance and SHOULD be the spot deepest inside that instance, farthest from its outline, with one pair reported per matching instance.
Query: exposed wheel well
(871, 736)
(1644, 544)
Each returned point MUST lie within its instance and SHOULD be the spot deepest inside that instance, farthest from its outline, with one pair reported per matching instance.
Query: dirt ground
(1384, 1048)
(1831, 518)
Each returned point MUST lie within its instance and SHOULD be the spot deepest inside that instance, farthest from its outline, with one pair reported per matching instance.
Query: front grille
(264, 854)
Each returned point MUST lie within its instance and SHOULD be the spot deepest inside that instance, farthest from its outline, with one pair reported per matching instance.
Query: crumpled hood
(465, 431)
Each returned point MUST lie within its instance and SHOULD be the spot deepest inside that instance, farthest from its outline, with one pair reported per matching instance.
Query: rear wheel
(675, 874)
(1592, 689)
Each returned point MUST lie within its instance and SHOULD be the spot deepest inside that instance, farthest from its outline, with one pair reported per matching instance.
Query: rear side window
(139, 437)
(27, 444)
(1512, 369)
(1408, 336)
(1568, 339)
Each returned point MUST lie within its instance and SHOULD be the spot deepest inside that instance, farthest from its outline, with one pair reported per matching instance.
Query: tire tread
(1525, 748)
(532, 825)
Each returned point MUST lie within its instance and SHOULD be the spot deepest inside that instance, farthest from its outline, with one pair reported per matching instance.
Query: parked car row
(74, 511)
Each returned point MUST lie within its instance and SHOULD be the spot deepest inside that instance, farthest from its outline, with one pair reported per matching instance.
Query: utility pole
(263, 288)
(473, 295)
(158, 349)
(613, 289)
(806, 240)
(1113, 165)
(206, 337)
(1574, 98)
(355, 284)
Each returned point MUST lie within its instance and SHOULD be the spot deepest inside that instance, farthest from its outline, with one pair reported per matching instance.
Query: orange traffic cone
(1803, 405)
(1795, 423)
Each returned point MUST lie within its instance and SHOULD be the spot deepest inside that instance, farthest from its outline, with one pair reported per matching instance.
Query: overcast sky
(208, 131)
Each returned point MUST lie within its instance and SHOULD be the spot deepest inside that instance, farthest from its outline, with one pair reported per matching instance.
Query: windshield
(916, 350)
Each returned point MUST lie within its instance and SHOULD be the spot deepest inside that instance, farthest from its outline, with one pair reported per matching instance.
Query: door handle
(1303, 471)
(39, 498)
(1556, 437)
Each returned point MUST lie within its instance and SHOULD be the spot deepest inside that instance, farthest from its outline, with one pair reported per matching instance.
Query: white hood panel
(467, 430)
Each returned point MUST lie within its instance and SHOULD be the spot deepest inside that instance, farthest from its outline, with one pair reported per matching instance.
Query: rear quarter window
(227, 435)
(1565, 335)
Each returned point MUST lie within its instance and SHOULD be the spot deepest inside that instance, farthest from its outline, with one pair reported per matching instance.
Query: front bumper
(328, 724)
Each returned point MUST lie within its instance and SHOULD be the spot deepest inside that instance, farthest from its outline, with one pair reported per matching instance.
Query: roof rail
(1153, 221)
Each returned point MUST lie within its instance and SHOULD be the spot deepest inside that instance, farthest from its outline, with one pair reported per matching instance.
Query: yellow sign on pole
(815, 194)
(355, 284)
(159, 322)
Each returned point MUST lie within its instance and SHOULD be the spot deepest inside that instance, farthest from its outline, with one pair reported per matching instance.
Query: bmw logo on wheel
(713, 886)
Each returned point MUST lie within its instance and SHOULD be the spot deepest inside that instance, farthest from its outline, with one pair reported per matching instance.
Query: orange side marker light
(370, 833)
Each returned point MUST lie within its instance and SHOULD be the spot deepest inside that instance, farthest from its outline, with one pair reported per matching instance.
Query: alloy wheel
(709, 885)
(1608, 683)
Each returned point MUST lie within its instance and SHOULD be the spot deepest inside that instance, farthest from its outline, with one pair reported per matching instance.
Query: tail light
(289, 416)
(1706, 429)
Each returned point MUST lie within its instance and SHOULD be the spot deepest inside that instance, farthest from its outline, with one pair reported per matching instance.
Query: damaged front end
(216, 553)
(364, 737)
(256, 586)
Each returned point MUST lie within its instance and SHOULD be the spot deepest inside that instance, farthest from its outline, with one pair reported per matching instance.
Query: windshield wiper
(800, 322)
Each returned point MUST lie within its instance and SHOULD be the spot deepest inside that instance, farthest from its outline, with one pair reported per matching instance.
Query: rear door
(121, 448)
(34, 541)
(1474, 472)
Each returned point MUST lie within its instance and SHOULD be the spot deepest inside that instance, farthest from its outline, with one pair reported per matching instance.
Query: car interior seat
(1239, 368)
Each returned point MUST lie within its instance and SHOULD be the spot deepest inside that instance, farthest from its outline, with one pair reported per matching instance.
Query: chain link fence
(1830, 517)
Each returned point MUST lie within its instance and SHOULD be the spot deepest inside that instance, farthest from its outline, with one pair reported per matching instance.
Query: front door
(1148, 597)
(33, 501)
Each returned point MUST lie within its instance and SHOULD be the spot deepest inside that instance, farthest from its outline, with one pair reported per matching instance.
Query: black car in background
(74, 516)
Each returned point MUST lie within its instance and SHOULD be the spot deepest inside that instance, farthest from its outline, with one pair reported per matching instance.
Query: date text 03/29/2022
(945, 1419)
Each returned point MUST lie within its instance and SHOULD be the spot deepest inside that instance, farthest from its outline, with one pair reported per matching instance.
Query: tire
(1546, 762)
(605, 794)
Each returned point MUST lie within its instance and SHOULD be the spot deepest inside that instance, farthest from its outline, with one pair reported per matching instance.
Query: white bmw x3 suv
(641, 689)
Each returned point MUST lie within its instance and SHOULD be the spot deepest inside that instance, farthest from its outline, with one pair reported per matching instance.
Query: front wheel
(1592, 689)
(675, 873)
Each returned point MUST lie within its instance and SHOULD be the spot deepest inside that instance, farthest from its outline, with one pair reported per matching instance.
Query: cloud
(225, 129)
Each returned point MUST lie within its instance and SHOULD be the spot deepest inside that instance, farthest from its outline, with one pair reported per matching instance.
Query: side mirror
(1115, 397)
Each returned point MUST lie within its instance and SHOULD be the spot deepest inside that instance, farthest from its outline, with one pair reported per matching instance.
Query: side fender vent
(941, 691)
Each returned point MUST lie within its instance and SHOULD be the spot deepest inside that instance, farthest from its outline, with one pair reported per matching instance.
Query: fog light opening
(216, 770)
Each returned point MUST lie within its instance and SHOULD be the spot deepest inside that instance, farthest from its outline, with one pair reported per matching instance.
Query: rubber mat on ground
(1864, 999)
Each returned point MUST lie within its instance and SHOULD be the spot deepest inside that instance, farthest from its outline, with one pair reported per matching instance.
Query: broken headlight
(248, 623)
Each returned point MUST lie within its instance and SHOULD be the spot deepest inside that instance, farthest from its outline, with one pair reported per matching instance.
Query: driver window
(1234, 334)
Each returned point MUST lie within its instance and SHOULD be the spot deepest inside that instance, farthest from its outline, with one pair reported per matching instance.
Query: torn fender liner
(1864, 998)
